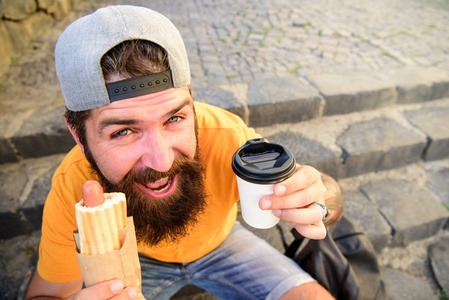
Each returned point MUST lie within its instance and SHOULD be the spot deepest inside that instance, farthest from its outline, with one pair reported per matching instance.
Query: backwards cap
(83, 43)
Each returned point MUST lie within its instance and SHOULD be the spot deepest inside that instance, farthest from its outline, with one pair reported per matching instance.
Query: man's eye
(120, 133)
(174, 119)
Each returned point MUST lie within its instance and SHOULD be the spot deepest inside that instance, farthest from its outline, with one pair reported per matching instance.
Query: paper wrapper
(120, 264)
(99, 227)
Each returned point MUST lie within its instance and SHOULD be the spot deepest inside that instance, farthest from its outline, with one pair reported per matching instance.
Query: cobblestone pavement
(234, 45)
(236, 41)
(232, 41)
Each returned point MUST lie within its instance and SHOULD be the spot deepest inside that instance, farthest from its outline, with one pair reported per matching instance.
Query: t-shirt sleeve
(57, 257)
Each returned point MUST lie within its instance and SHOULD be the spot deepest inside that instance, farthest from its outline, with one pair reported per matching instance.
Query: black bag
(344, 262)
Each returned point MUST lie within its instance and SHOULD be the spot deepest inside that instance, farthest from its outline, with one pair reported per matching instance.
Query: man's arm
(333, 199)
(40, 289)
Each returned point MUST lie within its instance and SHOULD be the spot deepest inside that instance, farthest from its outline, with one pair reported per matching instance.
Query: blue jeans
(244, 266)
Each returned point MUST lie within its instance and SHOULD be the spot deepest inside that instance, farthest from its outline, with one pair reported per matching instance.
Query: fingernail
(280, 190)
(266, 204)
(132, 293)
(277, 212)
(116, 286)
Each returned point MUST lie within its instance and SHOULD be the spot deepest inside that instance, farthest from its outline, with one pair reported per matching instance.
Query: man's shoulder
(213, 117)
(220, 130)
(74, 164)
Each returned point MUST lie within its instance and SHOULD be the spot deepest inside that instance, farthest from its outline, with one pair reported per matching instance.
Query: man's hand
(293, 201)
(112, 289)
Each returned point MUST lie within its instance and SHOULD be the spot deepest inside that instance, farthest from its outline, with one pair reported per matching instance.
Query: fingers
(297, 199)
(112, 289)
(303, 188)
(126, 294)
(304, 177)
(92, 193)
(300, 190)
(307, 215)
(312, 231)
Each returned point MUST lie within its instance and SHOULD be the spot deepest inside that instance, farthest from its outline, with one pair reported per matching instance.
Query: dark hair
(128, 59)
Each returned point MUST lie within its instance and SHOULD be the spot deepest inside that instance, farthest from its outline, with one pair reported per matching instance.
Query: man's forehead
(174, 96)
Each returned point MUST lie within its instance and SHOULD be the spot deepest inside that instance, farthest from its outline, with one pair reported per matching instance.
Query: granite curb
(341, 146)
(268, 101)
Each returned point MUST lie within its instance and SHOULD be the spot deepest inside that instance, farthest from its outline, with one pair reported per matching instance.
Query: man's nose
(157, 153)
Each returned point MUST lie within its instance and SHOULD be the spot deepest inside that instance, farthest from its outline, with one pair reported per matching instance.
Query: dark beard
(168, 219)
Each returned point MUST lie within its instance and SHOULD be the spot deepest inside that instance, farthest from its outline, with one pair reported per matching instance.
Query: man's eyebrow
(172, 112)
(115, 121)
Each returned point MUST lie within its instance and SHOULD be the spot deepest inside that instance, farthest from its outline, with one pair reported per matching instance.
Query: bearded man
(125, 78)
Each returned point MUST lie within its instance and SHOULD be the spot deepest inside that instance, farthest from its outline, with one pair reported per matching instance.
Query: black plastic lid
(259, 161)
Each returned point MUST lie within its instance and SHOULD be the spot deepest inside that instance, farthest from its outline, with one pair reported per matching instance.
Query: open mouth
(161, 188)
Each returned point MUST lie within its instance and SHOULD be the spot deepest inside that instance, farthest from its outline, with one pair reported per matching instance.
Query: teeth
(157, 184)
(162, 179)
(164, 188)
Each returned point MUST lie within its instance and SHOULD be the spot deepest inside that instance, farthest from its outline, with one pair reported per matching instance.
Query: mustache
(146, 175)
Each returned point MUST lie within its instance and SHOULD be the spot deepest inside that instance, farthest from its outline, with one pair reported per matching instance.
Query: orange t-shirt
(220, 135)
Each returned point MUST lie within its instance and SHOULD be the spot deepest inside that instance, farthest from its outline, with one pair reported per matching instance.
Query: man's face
(149, 131)
(146, 147)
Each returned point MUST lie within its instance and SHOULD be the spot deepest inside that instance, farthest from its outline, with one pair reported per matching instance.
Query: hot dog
(100, 218)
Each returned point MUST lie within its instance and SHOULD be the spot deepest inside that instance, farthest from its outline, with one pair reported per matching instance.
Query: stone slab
(12, 182)
(350, 92)
(6, 49)
(414, 213)
(7, 154)
(23, 190)
(44, 133)
(18, 9)
(434, 121)
(18, 260)
(33, 207)
(281, 100)
(309, 152)
(417, 84)
(60, 8)
(12, 225)
(218, 97)
(379, 144)
(365, 214)
(400, 286)
(436, 182)
(439, 261)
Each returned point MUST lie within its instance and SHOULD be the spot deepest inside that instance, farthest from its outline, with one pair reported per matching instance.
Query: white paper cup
(250, 194)
(259, 165)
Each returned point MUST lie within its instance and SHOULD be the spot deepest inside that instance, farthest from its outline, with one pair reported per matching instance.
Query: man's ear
(75, 135)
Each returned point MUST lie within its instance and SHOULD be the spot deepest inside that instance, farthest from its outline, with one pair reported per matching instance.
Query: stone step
(392, 164)
(362, 142)
(342, 146)
(403, 211)
(396, 208)
(39, 130)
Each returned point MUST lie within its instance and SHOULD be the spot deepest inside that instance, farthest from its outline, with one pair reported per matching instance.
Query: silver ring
(323, 209)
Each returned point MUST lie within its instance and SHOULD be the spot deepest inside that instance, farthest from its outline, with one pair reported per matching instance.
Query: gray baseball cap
(83, 43)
